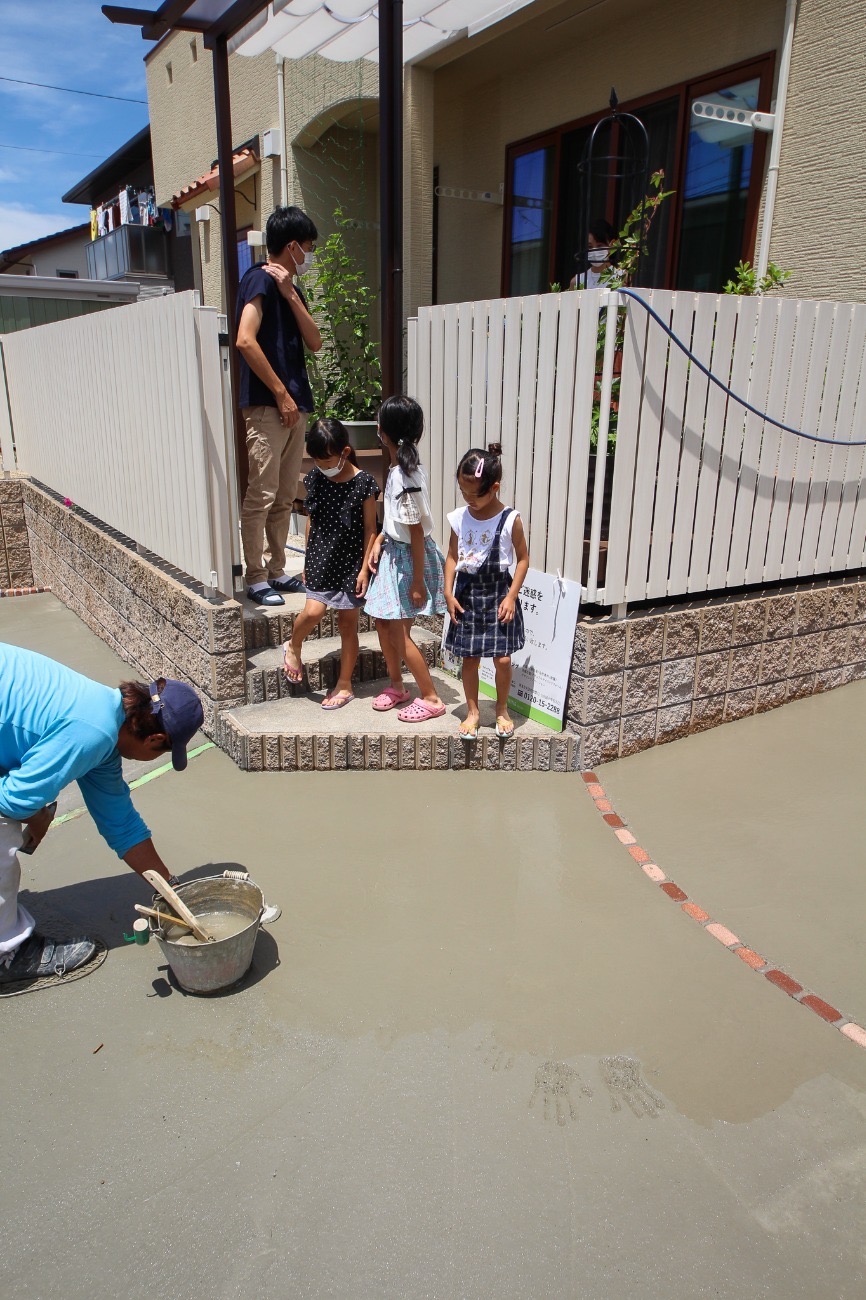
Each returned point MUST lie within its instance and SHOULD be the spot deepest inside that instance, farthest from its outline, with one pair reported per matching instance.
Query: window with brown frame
(716, 170)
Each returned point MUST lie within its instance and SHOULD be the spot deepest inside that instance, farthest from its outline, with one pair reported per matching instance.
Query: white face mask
(333, 472)
(307, 265)
(596, 256)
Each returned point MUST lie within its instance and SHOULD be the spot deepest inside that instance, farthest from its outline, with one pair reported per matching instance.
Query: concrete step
(297, 734)
(265, 626)
(321, 658)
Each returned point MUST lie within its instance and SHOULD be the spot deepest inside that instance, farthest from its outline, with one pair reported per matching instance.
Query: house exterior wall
(183, 133)
(60, 255)
(539, 76)
(541, 68)
(331, 131)
(819, 226)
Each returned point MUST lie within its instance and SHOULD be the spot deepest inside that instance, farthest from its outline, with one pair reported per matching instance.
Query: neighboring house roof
(243, 160)
(12, 256)
(114, 170)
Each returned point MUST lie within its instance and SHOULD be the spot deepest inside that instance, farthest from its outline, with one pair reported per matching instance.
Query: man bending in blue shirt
(55, 727)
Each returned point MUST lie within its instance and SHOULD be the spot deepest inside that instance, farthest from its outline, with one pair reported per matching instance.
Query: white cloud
(20, 225)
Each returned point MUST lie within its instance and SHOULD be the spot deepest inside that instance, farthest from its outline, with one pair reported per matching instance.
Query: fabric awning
(349, 29)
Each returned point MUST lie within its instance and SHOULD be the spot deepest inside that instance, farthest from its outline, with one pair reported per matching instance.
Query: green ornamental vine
(346, 376)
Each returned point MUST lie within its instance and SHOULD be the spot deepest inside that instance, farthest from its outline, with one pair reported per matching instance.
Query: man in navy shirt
(274, 327)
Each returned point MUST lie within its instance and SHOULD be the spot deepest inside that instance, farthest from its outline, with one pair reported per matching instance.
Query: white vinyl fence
(702, 495)
(124, 413)
(519, 371)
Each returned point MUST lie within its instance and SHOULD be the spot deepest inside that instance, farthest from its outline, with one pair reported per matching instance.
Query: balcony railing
(128, 250)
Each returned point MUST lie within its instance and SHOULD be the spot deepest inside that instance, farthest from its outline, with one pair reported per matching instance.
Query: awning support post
(391, 191)
(228, 226)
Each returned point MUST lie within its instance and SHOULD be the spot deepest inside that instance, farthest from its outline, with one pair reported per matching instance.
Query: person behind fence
(486, 621)
(341, 529)
(274, 326)
(596, 259)
(55, 727)
(406, 564)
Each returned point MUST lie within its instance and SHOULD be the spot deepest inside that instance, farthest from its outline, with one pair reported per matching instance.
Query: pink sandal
(420, 711)
(294, 675)
(390, 698)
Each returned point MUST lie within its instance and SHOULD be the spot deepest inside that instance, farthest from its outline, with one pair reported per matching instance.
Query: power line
(67, 90)
(62, 153)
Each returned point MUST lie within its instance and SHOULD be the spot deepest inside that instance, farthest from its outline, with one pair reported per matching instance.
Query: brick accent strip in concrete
(778, 978)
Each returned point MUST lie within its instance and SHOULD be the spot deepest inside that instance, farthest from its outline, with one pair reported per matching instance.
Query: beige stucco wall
(183, 132)
(545, 66)
(552, 71)
(819, 227)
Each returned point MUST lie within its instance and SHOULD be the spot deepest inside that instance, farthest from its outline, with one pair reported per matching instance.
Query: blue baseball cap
(181, 714)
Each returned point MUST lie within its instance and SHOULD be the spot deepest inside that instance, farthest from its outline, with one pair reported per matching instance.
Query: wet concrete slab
(763, 823)
(478, 1056)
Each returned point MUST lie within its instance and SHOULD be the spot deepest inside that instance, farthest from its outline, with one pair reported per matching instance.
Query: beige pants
(275, 455)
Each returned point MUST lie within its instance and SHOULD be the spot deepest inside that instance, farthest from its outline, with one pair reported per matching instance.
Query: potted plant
(346, 376)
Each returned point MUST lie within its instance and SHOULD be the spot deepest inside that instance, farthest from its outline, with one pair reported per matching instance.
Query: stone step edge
(432, 751)
(262, 632)
(263, 684)
(266, 658)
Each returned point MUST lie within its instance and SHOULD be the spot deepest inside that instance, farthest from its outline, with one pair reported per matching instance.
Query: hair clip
(479, 468)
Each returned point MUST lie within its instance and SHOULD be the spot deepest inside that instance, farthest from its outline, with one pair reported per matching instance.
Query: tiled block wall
(150, 618)
(656, 677)
(16, 567)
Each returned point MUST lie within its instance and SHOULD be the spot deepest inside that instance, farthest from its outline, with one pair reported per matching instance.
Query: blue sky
(66, 43)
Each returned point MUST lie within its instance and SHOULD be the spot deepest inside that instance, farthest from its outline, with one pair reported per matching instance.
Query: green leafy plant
(346, 376)
(626, 253)
(746, 282)
(633, 239)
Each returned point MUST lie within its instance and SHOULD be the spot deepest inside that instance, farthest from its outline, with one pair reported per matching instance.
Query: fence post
(613, 300)
(218, 480)
(7, 443)
(412, 354)
(233, 483)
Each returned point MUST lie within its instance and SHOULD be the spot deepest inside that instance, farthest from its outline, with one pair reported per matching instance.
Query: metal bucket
(207, 967)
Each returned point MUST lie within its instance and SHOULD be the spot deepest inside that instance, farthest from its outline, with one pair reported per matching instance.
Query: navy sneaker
(39, 956)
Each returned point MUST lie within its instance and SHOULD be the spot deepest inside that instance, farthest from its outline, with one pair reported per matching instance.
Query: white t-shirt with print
(475, 538)
(404, 508)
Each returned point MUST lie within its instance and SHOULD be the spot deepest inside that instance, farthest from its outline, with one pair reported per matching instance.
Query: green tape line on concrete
(134, 785)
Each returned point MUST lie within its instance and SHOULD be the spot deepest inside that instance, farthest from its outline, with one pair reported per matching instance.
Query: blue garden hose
(741, 401)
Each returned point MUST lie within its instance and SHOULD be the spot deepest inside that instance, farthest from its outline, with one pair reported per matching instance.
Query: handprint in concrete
(624, 1082)
(554, 1081)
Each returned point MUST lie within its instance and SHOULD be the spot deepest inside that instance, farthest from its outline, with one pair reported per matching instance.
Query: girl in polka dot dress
(341, 530)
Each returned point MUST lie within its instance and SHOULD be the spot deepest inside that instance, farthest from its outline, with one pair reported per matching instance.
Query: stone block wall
(146, 612)
(658, 676)
(16, 566)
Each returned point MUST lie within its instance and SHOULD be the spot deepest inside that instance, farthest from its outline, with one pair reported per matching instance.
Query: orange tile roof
(242, 161)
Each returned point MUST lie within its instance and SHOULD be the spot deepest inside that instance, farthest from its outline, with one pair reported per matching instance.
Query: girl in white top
(487, 539)
(406, 564)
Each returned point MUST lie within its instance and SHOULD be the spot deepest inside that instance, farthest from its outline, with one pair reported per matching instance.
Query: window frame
(762, 67)
(536, 142)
